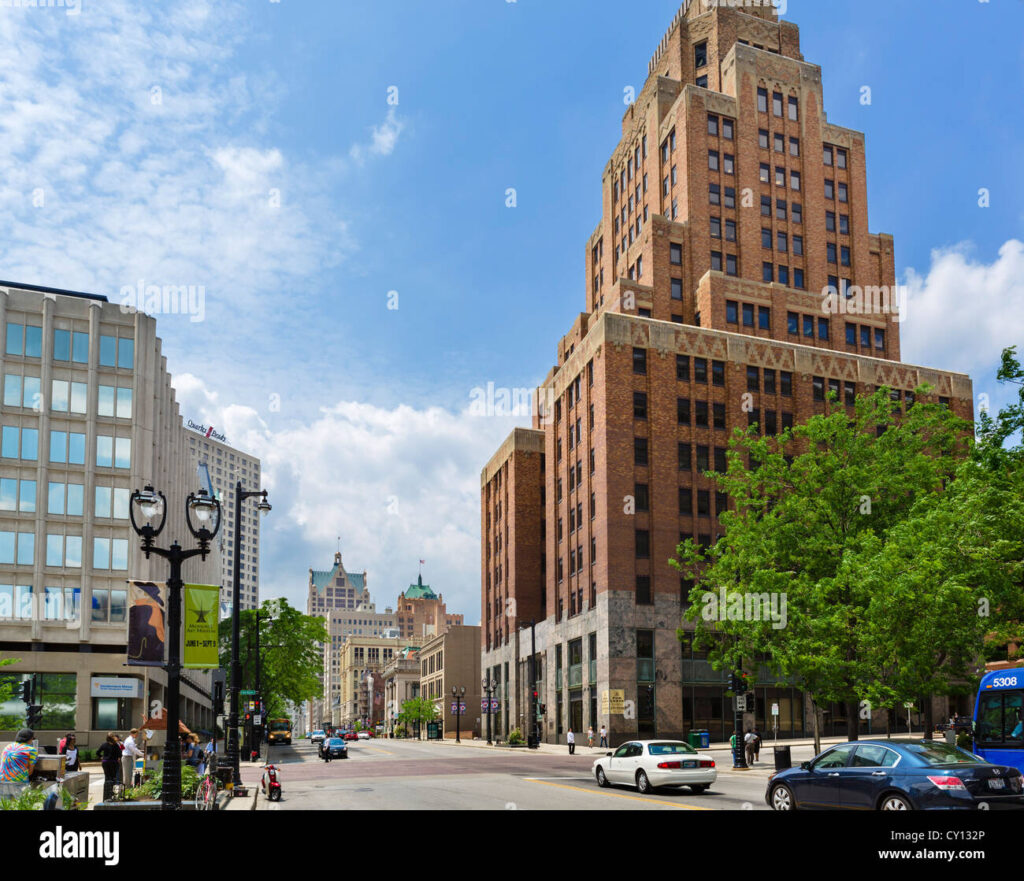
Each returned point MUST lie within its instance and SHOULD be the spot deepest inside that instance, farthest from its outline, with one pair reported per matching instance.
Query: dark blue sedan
(895, 775)
(334, 748)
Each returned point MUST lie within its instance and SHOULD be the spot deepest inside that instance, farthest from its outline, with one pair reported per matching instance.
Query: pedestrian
(757, 745)
(131, 750)
(109, 754)
(748, 740)
(18, 760)
(604, 737)
(572, 743)
(68, 746)
(194, 755)
(590, 737)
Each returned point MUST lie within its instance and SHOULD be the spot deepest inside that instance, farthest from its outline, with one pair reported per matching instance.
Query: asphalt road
(406, 775)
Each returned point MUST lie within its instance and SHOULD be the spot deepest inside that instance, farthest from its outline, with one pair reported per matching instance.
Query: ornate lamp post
(236, 665)
(489, 687)
(457, 695)
(153, 505)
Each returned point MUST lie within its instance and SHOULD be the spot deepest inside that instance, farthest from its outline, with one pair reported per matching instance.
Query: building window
(643, 544)
(731, 312)
(767, 272)
(639, 405)
(727, 129)
(819, 388)
(794, 108)
(716, 261)
(700, 370)
(700, 54)
(683, 368)
(764, 318)
(676, 254)
(640, 451)
(777, 104)
(748, 315)
(643, 591)
(712, 125)
(640, 361)
(762, 101)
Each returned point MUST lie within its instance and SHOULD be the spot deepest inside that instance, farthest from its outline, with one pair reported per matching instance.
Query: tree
(417, 711)
(808, 508)
(7, 685)
(291, 654)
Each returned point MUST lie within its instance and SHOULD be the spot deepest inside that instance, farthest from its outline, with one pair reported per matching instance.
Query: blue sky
(249, 147)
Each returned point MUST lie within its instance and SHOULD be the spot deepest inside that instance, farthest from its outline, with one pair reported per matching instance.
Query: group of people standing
(571, 739)
(117, 757)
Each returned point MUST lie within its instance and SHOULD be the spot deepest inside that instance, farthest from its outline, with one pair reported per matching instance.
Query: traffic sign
(741, 703)
(775, 709)
(246, 691)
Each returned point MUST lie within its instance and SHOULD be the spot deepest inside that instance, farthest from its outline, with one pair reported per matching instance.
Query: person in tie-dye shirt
(18, 760)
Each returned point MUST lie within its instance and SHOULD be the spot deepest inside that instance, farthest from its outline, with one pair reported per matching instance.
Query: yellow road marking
(618, 795)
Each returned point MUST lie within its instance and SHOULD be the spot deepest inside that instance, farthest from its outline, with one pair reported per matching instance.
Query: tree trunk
(929, 718)
(852, 721)
(817, 727)
(888, 724)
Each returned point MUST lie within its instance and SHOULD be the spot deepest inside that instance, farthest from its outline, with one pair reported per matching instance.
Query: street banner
(202, 602)
(147, 607)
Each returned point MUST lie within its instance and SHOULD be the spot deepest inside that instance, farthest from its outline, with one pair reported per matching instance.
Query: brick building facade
(732, 280)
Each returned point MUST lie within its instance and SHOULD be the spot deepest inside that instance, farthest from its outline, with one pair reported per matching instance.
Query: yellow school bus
(280, 731)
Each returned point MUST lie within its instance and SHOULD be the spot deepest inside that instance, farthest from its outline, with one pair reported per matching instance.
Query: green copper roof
(322, 579)
(420, 591)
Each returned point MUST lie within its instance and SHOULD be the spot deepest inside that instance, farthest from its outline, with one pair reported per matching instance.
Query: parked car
(351, 735)
(363, 735)
(895, 775)
(335, 747)
(651, 764)
(318, 736)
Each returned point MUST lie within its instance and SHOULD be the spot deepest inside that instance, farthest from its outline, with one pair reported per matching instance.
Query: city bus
(279, 731)
(999, 718)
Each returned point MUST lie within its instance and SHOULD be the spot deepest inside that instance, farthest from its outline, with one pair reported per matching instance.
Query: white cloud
(964, 312)
(383, 139)
(396, 485)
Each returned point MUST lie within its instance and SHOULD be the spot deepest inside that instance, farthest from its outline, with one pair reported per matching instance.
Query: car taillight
(947, 783)
(669, 766)
(707, 763)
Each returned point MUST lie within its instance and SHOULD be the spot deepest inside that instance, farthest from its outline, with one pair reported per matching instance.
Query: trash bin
(694, 739)
(783, 758)
(951, 736)
(705, 739)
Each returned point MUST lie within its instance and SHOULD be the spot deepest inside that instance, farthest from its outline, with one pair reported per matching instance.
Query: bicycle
(206, 789)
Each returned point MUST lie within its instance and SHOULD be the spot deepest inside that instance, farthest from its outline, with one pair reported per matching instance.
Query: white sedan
(363, 735)
(650, 764)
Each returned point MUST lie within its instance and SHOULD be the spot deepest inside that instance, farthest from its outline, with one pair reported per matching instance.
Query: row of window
(64, 604)
(63, 498)
(777, 104)
(18, 549)
(794, 322)
(27, 340)
(864, 335)
(733, 310)
(66, 397)
(66, 448)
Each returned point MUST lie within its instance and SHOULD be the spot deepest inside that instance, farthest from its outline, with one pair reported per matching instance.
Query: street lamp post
(489, 687)
(236, 665)
(153, 505)
(457, 695)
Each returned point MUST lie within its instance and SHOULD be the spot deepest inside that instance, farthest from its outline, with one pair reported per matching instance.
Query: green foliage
(812, 528)
(515, 737)
(152, 785)
(291, 654)
(30, 799)
(417, 711)
(7, 683)
(400, 731)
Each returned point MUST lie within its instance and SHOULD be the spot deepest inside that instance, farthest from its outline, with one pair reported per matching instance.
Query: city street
(403, 774)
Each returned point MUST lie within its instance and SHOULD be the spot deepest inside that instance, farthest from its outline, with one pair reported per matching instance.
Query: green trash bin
(694, 739)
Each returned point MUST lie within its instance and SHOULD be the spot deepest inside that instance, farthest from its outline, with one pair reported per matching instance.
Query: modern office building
(88, 416)
(227, 466)
(733, 280)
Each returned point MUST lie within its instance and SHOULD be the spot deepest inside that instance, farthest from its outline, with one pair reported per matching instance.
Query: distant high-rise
(226, 466)
(733, 280)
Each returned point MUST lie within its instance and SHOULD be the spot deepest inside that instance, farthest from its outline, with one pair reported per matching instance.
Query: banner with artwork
(147, 611)
(202, 608)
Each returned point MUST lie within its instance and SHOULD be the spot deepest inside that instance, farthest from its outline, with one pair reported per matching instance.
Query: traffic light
(33, 715)
(732, 684)
(742, 684)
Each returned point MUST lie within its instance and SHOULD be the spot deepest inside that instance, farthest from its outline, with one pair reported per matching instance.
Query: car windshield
(336, 741)
(670, 749)
(943, 754)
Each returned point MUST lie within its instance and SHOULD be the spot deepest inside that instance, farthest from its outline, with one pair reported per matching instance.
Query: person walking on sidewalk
(572, 743)
(590, 737)
(757, 745)
(749, 740)
(131, 750)
(604, 737)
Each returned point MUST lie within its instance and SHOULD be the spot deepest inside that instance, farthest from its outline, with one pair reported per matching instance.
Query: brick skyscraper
(730, 207)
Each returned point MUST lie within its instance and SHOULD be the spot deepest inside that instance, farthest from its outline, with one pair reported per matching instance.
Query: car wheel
(602, 781)
(643, 785)
(699, 788)
(893, 802)
(782, 798)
